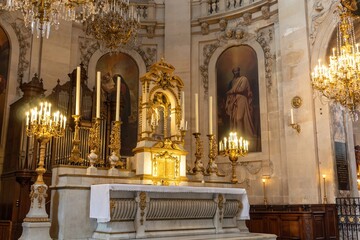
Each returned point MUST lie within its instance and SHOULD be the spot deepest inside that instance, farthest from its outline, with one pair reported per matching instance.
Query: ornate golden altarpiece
(160, 157)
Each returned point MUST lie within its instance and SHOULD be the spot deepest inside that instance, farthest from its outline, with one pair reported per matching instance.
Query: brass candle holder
(212, 168)
(198, 165)
(264, 190)
(94, 143)
(115, 145)
(75, 157)
(233, 147)
(324, 182)
(43, 128)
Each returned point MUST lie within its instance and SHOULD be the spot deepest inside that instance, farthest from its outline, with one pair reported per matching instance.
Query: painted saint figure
(239, 105)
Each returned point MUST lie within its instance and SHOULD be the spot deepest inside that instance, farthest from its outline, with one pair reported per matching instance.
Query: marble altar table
(127, 211)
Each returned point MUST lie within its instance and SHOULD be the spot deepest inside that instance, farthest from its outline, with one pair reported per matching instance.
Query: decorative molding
(238, 35)
(204, 28)
(88, 46)
(264, 37)
(265, 11)
(319, 13)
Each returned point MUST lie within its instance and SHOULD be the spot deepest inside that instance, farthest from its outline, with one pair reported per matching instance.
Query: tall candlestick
(183, 107)
(325, 198)
(196, 113)
(98, 90)
(292, 115)
(118, 98)
(210, 116)
(77, 97)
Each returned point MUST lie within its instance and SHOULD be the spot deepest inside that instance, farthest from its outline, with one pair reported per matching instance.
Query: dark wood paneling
(5, 230)
(307, 222)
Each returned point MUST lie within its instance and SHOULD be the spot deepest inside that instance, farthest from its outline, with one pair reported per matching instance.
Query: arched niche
(11, 93)
(264, 153)
(111, 66)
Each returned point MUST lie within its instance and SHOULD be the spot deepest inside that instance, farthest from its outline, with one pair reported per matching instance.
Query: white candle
(27, 118)
(117, 99)
(183, 106)
(77, 99)
(98, 90)
(196, 113)
(292, 115)
(210, 116)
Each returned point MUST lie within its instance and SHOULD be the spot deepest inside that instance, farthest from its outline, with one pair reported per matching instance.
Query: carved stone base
(91, 170)
(36, 231)
(38, 195)
(113, 172)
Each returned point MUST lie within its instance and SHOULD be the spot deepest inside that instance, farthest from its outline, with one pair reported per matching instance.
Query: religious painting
(4, 64)
(238, 95)
(111, 66)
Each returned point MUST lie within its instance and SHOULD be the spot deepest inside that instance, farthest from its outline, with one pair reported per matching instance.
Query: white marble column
(300, 149)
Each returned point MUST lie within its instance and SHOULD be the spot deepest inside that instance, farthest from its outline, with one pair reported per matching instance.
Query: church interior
(186, 119)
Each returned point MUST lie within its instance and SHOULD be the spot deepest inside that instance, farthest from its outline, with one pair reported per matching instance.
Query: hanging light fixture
(115, 25)
(340, 80)
(40, 15)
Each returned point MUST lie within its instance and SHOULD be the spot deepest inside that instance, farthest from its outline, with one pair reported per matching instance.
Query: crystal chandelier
(340, 80)
(115, 25)
(40, 15)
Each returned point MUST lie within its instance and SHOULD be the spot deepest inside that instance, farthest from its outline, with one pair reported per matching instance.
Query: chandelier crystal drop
(340, 80)
(40, 15)
(115, 25)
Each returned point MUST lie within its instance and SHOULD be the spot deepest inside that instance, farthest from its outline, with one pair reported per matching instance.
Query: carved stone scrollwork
(247, 17)
(89, 46)
(204, 28)
(263, 39)
(318, 15)
(223, 24)
(150, 31)
(265, 11)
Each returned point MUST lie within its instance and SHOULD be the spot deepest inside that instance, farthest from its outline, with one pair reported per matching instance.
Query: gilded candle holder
(115, 144)
(233, 148)
(212, 168)
(94, 144)
(75, 157)
(198, 165)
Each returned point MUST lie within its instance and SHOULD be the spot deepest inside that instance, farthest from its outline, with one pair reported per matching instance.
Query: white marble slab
(100, 196)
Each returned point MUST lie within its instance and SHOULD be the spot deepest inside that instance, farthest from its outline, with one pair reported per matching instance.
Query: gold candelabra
(75, 152)
(183, 132)
(199, 167)
(212, 167)
(94, 141)
(43, 127)
(115, 143)
(233, 147)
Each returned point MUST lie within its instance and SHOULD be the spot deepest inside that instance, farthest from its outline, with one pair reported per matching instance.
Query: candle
(77, 99)
(98, 90)
(210, 116)
(292, 115)
(183, 107)
(196, 113)
(27, 118)
(117, 113)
